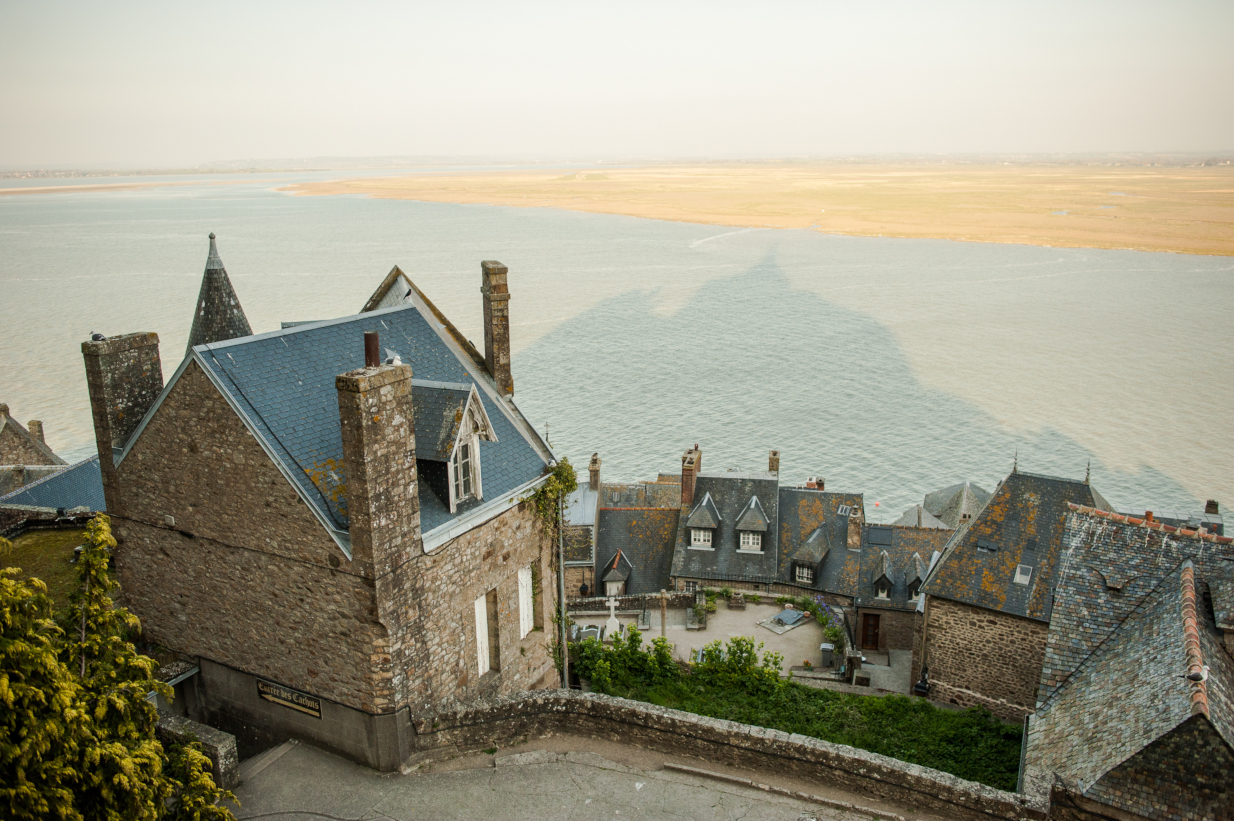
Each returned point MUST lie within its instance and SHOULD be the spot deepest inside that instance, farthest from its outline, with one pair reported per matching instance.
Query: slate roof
(900, 553)
(439, 409)
(1109, 564)
(753, 518)
(952, 504)
(1221, 588)
(918, 516)
(640, 494)
(282, 384)
(1128, 694)
(1021, 524)
(79, 485)
(730, 495)
(705, 514)
(398, 289)
(13, 477)
(11, 427)
(644, 536)
(1212, 522)
(616, 569)
(218, 316)
(812, 531)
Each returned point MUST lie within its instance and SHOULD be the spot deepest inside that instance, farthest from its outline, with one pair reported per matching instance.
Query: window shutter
(482, 634)
(526, 618)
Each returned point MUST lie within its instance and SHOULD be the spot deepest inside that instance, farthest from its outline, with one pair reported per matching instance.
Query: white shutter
(482, 634)
(526, 617)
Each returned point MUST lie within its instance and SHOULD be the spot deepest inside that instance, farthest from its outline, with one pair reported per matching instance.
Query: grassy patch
(971, 744)
(45, 554)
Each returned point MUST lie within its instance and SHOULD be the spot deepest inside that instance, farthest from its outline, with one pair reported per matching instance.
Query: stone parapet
(503, 721)
(218, 746)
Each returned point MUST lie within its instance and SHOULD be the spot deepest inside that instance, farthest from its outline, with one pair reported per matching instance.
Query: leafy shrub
(754, 598)
(726, 592)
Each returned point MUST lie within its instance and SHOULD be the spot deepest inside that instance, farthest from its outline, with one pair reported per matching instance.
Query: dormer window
(882, 593)
(804, 574)
(751, 541)
(1023, 574)
(463, 479)
(700, 537)
(914, 591)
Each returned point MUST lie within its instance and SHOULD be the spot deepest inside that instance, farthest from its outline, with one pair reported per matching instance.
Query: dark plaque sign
(289, 698)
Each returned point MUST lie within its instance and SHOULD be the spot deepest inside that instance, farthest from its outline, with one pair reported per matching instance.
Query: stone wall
(502, 722)
(767, 590)
(576, 577)
(895, 627)
(978, 656)
(16, 449)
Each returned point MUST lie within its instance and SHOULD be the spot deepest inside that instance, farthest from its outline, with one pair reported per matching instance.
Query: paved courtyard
(553, 778)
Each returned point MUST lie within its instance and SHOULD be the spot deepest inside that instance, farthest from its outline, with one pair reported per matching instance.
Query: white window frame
(700, 538)
(526, 609)
(1023, 574)
(750, 541)
(804, 574)
(691, 587)
(882, 593)
(482, 657)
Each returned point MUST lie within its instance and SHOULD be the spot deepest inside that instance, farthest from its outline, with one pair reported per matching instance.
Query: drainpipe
(561, 597)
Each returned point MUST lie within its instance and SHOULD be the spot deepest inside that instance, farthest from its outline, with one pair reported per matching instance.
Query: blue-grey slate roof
(79, 485)
(753, 518)
(731, 494)
(438, 409)
(704, 514)
(812, 531)
(901, 555)
(283, 383)
(644, 537)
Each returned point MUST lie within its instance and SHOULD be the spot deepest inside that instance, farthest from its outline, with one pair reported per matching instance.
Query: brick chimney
(594, 469)
(497, 324)
(773, 462)
(36, 430)
(379, 457)
(124, 375)
(1211, 508)
(691, 464)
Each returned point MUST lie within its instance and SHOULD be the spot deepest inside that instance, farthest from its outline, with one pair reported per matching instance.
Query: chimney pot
(1148, 516)
(371, 356)
(36, 430)
(1212, 508)
(811, 483)
(773, 462)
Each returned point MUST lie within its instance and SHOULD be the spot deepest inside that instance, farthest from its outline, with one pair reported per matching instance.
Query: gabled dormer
(917, 569)
(883, 585)
(450, 424)
(702, 523)
(751, 525)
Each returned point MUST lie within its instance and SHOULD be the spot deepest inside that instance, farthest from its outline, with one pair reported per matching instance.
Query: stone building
(1140, 606)
(67, 488)
(894, 563)
(957, 505)
(24, 455)
(988, 598)
(579, 531)
(328, 519)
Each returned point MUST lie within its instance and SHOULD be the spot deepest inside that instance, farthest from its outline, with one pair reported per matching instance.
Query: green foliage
(78, 740)
(731, 682)
(754, 598)
(561, 483)
(726, 592)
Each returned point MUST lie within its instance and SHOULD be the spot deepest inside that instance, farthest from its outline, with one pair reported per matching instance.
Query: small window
(805, 574)
(881, 536)
(691, 587)
(881, 593)
(845, 510)
(700, 537)
(464, 476)
(914, 592)
(986, 546)
(1023, 574)
(1030, 546)
(751, 541)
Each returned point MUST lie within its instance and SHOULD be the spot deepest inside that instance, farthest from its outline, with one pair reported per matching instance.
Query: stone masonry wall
(978, 656)
(440, 590)
(220, 558)
(507, 721)
(895, 627)
(16, 449)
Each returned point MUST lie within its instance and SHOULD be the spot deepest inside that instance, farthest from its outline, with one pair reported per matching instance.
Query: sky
(174, 85)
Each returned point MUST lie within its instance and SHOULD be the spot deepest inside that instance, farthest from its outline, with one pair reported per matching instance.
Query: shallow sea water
(891, 367)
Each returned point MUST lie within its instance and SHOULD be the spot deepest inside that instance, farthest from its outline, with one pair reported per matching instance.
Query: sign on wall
(289, 697)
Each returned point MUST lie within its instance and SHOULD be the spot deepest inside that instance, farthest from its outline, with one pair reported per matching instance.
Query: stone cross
(612, 625)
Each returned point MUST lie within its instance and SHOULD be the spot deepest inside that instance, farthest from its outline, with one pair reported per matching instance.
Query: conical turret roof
(218, 316)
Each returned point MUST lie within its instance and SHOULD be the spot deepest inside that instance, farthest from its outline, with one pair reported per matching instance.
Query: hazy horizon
(143, 85)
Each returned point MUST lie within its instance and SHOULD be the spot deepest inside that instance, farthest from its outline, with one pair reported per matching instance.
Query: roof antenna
(1088, 471)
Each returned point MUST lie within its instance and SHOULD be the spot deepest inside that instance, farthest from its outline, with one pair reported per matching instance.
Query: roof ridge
(1191, 642)
(1137, 522)
(53, 474)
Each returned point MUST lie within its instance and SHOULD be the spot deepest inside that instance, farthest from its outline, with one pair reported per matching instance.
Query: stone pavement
(306, 784)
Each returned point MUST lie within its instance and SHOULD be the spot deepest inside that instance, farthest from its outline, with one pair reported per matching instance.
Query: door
(869, 632)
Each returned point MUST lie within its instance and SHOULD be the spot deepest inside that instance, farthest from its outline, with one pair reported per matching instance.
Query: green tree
(79, 740)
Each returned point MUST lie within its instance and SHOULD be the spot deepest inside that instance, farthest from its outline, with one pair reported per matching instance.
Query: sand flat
(1173, 208)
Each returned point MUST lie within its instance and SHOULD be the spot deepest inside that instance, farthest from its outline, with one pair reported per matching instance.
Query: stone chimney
(1211, 508)
(773, 462)
(36, 430)
(594, 469)
(4, 409)
(691, 464)
(124, 376)
(497, 324)
(379, 457)
(855, 520)
(814, 483)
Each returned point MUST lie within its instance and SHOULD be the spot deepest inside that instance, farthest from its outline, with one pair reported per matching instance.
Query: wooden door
(869, 632)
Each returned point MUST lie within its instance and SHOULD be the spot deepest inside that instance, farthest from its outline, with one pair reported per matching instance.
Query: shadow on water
(749, 364)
